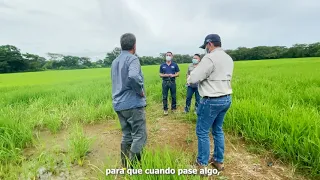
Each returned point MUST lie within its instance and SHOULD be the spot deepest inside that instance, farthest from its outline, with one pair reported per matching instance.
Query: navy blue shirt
(173, 68)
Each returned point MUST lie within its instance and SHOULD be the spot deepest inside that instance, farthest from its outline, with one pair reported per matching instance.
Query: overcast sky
(93, 27)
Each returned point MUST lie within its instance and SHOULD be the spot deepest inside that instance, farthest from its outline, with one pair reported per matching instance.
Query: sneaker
(217, 165)
(165, 113)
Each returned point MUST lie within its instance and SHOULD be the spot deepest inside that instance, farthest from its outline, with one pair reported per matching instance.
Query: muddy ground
(162, 131)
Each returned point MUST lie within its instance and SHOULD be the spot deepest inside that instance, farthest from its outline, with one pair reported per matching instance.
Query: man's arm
(135, 79)
(203, 70)
(175, 75)
(164, 75)
(188, 72)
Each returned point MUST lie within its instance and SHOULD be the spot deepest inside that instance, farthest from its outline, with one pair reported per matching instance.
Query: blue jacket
(127, 82)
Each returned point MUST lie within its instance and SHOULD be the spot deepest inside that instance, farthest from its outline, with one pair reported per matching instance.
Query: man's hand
(142, 93)
(168, 75)
(188, 79)
(163, 75)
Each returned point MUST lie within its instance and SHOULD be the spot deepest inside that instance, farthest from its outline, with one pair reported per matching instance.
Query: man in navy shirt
(168, 72)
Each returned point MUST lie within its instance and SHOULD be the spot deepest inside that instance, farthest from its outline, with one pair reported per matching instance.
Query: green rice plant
(9, 171)
(278, 108)
(79, 144)
(13, 137)
(161, 160)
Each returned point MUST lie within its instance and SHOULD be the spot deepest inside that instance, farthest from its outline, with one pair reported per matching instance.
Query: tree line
(12, 60)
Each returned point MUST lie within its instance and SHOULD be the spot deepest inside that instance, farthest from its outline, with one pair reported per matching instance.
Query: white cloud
(91, 28)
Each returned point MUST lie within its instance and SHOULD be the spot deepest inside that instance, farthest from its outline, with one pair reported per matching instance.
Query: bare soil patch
(162, 131)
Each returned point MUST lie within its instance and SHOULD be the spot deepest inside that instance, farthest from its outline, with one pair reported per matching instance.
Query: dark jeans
(166, 86)
(190, 92)
(133, 125)
(211, 113)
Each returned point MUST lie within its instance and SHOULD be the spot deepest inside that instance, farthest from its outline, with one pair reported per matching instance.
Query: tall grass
(79, 144)
(275, 103)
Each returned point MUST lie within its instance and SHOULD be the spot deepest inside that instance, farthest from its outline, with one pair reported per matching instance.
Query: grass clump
(79, 145)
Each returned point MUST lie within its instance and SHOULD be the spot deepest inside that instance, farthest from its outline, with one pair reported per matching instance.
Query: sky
(93, 28)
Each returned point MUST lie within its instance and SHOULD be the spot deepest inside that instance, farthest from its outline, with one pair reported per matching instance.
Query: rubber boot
(125, 150)
(135, 159)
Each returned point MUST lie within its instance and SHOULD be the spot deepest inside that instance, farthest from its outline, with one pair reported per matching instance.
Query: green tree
(55, 61)
(11, 60)
(111, 56)
(70, 62)
(35, 62)
(55, 56)
(314, 50)
(48, 65)
(85, 62)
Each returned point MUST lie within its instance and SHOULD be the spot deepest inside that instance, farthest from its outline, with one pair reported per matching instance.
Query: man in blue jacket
(129, 101)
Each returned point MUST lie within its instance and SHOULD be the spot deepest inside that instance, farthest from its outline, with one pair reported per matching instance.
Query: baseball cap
(210, 38)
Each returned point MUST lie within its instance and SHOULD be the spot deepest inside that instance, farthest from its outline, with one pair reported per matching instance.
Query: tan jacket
(214, 74)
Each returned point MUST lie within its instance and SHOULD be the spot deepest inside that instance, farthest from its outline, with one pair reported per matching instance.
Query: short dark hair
(169, 52)
(197, 55)
(216, 44)
(127, 41)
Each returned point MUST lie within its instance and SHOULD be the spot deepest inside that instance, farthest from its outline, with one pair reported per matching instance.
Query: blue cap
(210, 38)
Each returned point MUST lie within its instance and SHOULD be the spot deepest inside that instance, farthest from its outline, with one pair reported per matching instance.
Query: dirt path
(164, 131)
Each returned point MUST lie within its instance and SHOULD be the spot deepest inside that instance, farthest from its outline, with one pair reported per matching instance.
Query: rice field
(276, 106)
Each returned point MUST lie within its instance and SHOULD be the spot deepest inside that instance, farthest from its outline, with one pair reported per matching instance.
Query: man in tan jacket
(213, 74)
